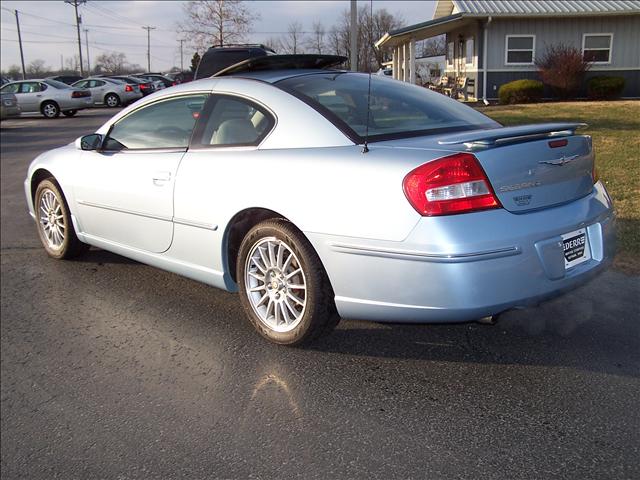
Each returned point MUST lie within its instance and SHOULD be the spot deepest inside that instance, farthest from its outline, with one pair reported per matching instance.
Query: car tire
(50, 110)
(69, 113)
(278, 263)
(112, 100)
(53, 221)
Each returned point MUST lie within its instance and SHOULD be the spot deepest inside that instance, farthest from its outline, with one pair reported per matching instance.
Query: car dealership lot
(114, 369)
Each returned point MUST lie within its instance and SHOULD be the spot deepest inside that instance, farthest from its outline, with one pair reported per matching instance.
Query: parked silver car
(316, 200)
(9, 106)
(110, 92)
(48, 97)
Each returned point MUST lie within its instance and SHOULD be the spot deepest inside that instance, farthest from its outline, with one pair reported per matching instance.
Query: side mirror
(89, 142)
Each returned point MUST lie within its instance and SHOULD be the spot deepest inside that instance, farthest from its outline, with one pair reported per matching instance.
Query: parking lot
(113, 369)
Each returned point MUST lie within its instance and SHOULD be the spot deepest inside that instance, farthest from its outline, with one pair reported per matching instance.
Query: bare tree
(36, 69)
(316, 42)
(433, 47)
(273, 43)
(370, 29)
(114, 62)
(292, 42)
(72, 64)
(216, 22)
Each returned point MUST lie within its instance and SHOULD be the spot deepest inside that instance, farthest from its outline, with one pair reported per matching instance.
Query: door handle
(38, 95)
(160, 178)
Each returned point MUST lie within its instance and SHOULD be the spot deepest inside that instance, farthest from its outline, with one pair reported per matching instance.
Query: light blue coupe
(317, 195)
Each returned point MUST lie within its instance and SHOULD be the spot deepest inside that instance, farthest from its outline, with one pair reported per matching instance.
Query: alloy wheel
(275, 284)
(51, 219)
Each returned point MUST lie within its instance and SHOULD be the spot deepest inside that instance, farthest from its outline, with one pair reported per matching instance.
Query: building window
(520, 50)
(469, 51)
(450, 50)
(596, 47)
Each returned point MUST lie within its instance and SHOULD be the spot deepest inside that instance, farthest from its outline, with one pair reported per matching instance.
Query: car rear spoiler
(497, 136)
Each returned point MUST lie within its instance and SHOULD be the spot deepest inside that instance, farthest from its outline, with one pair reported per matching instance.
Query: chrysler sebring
(319, 194)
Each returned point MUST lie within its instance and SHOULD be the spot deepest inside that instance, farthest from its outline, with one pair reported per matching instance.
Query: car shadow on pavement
(596, 327)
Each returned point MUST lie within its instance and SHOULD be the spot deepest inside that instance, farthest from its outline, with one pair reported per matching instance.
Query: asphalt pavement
(114, 369)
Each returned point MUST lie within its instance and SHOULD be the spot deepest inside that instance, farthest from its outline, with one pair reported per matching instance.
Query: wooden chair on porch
(441, 85)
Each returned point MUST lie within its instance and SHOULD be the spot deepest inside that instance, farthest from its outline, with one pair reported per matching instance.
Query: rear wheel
(69, 113)
(112, 100)
(50, 110)
(284, 289)
(53, 220)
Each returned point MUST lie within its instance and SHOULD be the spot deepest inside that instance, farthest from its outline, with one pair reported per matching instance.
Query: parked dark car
(180, 77)
(68, 79)
(219, 58)
(154, 77)
(146, 87)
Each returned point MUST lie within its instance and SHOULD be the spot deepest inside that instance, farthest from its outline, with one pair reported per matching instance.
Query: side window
(43, 86)
(233, 121)
(96, 83)
(11, 88)
(29, 87)
(81, 84)
(164, 124)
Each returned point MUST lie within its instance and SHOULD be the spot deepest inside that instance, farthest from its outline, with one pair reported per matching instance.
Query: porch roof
(421, 31)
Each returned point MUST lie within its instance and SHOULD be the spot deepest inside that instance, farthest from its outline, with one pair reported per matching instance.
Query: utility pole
(148, 29)
(24, 72)
(75, 4)
(181, 57)
(354, 35)
(86, 44)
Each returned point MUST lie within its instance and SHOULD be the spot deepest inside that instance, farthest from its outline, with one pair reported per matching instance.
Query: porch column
(396, 64)
(400, 62)
(405, 62)
(412, 61)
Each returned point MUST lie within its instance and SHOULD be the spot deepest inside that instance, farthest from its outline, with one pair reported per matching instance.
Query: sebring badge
(519, 186)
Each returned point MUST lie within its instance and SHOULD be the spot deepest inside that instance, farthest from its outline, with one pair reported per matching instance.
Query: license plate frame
(576, 248)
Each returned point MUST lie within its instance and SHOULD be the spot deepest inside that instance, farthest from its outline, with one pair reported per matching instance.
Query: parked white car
(110, 92)
(48, 97)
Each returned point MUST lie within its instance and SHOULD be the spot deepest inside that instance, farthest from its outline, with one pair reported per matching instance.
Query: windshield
(55, 83)
(397, 109)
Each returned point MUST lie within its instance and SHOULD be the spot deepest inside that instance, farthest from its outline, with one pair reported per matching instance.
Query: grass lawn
(615, 128)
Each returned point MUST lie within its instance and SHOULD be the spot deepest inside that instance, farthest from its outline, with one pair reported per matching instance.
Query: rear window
(397, 109)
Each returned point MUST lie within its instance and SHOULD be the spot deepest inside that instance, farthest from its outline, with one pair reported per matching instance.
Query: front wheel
(69, 113)
(284, 289)
(55, 228)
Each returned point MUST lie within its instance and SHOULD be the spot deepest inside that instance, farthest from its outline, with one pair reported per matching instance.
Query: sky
(49, 33)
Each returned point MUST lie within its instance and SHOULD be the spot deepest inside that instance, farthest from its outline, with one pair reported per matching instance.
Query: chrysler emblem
(560, 161)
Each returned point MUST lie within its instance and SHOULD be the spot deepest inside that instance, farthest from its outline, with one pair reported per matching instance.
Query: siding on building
(549, 31)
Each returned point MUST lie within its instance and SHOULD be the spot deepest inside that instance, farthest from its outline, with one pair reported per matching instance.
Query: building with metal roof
(492, 42)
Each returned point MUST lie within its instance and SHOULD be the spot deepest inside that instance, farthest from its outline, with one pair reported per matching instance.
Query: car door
(29, 96)
(124, 191)
(98, 90)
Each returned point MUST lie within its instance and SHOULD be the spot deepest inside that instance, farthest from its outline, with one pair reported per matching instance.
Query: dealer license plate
(576, 248)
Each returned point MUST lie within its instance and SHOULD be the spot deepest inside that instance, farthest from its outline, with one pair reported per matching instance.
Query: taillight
(79, 94)
(143, 86)
(173, 84)
(128, 88)
(449, 185)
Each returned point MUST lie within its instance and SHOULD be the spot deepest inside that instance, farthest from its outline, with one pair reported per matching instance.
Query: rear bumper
(463, 267)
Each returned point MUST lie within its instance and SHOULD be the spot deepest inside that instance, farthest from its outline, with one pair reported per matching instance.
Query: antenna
(365, 148)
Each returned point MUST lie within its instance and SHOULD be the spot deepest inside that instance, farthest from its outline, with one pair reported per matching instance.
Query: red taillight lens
(128, 88)
(173, 84)
(449, 185)
(143, 86)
